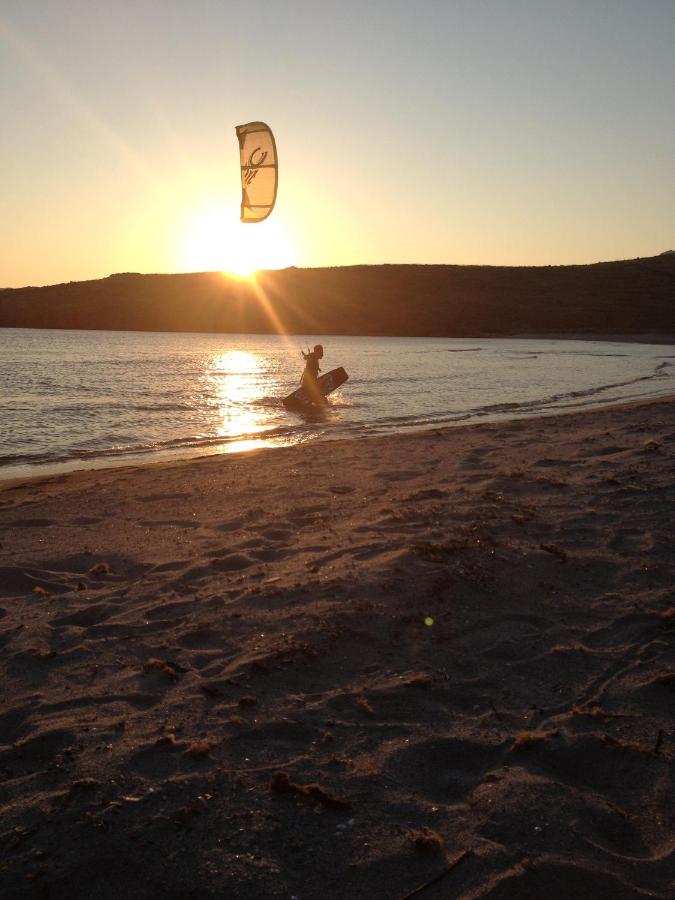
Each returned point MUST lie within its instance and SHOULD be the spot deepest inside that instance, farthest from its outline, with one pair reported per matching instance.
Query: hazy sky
(430, 131)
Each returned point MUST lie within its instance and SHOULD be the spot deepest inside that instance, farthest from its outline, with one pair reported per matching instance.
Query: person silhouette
(310, 376)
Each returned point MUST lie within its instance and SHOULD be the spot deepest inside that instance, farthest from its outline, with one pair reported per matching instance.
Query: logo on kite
(254, 165)
(259, 171)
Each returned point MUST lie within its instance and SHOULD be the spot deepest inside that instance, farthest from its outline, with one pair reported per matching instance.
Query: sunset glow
(539, 139)
(215, 240)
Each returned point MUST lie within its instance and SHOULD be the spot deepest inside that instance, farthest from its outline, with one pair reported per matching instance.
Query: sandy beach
(437, 665)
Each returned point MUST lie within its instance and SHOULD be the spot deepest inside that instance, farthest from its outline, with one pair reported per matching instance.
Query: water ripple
(77, 399)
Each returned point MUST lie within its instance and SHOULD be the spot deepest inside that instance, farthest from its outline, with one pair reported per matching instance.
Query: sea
(84, 399)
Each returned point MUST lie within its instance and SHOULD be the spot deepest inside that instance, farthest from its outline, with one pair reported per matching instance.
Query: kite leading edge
(259, 171)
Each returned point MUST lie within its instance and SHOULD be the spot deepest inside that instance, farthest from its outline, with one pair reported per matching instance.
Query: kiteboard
(301, 399)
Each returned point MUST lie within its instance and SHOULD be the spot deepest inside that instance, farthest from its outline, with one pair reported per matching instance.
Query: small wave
(561, 399)
(16, 459)
(193, 442)
(188, 442)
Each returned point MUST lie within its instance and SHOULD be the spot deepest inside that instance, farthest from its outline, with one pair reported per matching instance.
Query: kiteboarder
(314, 388)
(311, 373)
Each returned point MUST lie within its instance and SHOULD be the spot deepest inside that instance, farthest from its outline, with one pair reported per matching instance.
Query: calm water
(71, 399)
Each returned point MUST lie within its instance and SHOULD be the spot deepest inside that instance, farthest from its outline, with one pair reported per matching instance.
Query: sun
(215, 240)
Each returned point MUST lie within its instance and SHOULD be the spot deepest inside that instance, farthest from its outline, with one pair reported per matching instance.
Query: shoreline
(64, 467)
(340, 669)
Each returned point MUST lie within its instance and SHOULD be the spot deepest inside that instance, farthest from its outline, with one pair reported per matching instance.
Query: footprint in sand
(149, 498)
(239, 521)
(400, 475)
(279, 734)
(171, 608)
(32, 523)
(612, 832)
(173, 565)
(341, 489)
(172, 523)
(235, 562)
(303, 516)
(38, 749)
(547, 463)
(208, 662)
(276, 533)
(622, 773)
(15, 581)
(301, 511)
(197, 638)
(90, 615)
(605, 451)
(444, 769)
(13, 722)
(6, 638)
(630, 540)
(558, 881)
(427, 494)
(157, 761)
(232, 524)
(270, 554)
(475, 457)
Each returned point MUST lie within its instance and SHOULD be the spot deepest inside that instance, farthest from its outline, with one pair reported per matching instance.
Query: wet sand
(440, 660)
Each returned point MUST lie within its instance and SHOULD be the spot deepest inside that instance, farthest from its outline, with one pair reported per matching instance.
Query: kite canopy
(259, 171)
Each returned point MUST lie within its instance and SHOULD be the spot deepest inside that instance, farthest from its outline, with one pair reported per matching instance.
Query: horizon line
(348, 266)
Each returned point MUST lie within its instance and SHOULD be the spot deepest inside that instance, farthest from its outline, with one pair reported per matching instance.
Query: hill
(630, 297)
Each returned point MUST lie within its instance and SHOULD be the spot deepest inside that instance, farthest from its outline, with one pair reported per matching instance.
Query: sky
(500, 132)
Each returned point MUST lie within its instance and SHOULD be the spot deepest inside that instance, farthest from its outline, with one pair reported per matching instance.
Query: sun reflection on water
(237, 377)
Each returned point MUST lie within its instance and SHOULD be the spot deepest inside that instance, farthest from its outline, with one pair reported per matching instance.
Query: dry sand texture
(217, 679)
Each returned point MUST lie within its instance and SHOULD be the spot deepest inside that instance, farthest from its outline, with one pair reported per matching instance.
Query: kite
(259, 171)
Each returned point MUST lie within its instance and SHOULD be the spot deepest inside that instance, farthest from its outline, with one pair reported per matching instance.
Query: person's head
(318, 351)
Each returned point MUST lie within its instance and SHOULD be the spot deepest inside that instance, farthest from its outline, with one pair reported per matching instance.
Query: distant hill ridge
(629, 297)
